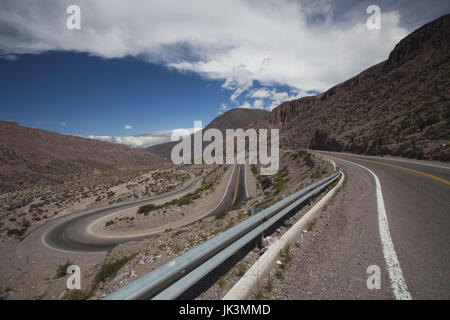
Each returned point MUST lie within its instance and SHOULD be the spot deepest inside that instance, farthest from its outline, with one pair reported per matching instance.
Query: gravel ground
(330, 260)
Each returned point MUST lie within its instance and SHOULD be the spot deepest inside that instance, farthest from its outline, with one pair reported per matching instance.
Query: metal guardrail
(175, 277)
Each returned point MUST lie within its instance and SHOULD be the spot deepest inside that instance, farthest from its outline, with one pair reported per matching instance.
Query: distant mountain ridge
(238, 118)
(31, 157)
(399, 106)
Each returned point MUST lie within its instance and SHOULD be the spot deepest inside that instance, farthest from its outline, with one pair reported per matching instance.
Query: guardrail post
(261, 237)
(309, 202)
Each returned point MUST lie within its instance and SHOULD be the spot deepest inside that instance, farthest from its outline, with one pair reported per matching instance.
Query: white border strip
(393, 159)
(225, 193)
(400, 290)
(246, 169)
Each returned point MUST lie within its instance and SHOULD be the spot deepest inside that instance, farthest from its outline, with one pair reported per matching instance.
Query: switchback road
(71, 233)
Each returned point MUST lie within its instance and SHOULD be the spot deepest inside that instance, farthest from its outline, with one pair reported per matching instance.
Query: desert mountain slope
(30, 157)
(399, 106)
(232, 119)
(238, 118)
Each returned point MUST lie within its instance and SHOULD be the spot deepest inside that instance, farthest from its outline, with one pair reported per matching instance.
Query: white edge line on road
(245, 170)
(226, 190)
(69, 251)
(400, 290)
(387, 159)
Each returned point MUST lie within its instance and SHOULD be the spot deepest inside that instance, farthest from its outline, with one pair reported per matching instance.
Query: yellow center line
(237, 185)
(64, 237)
(404, 168)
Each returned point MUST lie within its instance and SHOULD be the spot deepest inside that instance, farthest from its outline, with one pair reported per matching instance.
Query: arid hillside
(238, 118)
(232, 119)
(400, 106)
(31, 157)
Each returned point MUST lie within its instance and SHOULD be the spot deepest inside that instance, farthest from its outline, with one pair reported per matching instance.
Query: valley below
(136, 241)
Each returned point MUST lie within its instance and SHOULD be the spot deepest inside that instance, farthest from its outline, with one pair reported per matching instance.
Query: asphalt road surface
(395, 216)
(70, 233)
(236, 192)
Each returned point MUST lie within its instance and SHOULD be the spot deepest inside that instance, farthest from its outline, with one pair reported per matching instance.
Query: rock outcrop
(399, 106)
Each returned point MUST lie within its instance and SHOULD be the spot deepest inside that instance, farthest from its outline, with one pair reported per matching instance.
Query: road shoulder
(331, 260)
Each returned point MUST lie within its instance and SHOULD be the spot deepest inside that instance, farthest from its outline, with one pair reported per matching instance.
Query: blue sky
(79, 94)
(97, 96)
(139, 67)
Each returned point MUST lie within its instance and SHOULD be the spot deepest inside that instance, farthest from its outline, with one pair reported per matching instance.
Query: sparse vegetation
(26, 223)
(269, 284)
(177, 233)
(16, 232)
(184, 200)
(310, 224)
(220, 215)
(305, 156)
(222, 282)
(110, 269)
(241, 270)
(78, 294)
(279, 274)
(147, 208)
(286, 255)
(265, 181)
(109, 223)
(259, 295)
(61, 270)
(432, 119)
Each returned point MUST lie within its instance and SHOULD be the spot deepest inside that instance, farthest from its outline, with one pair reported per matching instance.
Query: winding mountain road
(393, 213)
(71, 234)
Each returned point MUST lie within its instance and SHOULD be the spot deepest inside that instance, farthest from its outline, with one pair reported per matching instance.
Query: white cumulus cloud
(142, 140)
(258, 104)
(268, 99)
(238, 41)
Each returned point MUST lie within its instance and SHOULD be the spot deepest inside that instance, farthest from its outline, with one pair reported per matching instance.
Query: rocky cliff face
(399, 106)
(424, 44)
(287, 111)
